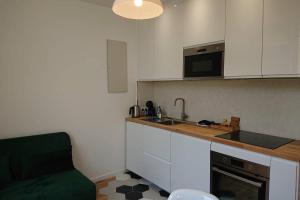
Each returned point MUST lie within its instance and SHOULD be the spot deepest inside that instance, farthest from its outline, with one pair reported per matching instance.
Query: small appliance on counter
(159, 112)
(135, 111)
(150, 108)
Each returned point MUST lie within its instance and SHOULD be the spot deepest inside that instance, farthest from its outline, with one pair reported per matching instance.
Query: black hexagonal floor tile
(164, 193)
(124, 189)
(141, 188)
(133, 175)
(134, 195)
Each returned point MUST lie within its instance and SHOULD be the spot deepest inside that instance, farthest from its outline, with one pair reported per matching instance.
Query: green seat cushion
(36, 155)
(68, 185)
(5, 175)
(46, 163)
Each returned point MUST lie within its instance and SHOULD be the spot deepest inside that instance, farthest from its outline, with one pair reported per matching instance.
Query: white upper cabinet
(243, 51)
(281, 43)
(146, 54)
(161, 46)
(204, 21)
(169, 43)
(183, 23)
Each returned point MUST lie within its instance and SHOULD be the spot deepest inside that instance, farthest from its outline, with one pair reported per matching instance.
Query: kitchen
(241, 60)
(149, 99)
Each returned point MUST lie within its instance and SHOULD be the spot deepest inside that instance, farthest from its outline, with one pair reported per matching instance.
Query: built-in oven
(204, 61)
(236, 179)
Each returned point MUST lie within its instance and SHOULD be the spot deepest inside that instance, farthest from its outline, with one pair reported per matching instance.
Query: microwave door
(203, 65)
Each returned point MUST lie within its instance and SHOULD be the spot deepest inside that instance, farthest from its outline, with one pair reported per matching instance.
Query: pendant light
(138, 9)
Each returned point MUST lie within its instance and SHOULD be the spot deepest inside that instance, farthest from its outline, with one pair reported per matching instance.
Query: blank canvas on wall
(117, 66)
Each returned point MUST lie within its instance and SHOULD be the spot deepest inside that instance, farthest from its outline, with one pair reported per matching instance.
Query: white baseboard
(107, 175)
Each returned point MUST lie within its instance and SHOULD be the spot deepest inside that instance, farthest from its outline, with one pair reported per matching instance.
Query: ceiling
(106, 3)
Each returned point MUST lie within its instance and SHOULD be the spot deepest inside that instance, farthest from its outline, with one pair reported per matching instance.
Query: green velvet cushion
(26, 148)
(5, 175)
(68, 185)
(46, 163)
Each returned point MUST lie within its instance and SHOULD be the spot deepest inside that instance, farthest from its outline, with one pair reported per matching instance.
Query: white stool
(187, 194)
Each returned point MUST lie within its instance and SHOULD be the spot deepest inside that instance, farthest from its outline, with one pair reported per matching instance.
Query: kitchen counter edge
(289, 151)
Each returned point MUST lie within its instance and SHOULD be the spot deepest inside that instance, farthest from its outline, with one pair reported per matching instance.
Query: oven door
(233, 186)
(204, 65)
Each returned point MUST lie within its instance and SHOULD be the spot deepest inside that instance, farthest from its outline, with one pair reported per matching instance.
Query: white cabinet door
(190, 163)
(134, 148)
(284, 180)
(146, 59)
(157, 142)
(169, 44)
(243, 53)
(157, 171)
(204, 21)
(281, 43)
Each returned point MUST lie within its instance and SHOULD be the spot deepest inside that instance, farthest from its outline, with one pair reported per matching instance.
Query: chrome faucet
(184, 116)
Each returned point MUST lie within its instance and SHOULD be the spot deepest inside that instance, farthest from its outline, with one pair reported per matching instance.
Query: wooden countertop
(289, 151)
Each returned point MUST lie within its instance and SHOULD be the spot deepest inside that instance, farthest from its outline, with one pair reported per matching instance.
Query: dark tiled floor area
(133, 187)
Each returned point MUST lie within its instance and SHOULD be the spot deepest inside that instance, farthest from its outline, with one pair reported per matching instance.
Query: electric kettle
(135, 111)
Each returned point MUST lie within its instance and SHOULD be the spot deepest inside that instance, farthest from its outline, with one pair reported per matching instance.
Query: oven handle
(257, 184)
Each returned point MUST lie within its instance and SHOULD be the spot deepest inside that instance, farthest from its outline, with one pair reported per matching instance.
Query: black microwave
(204, 61)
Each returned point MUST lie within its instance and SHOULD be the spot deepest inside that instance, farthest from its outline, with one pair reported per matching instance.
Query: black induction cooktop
(256, 139)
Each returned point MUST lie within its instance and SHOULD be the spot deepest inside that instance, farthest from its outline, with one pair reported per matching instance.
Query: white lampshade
(138, 9)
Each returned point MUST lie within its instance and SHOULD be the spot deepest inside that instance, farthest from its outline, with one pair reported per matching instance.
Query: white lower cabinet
(148, 153)
(167, 159)
(190, 163)
(134, 148)
(284, 180)
(156, 156)
(175, 161)
(157, 142)
(157, 171)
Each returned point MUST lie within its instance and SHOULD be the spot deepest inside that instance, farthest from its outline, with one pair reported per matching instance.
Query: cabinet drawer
(157, 171)
(157, 142)
(242, 154)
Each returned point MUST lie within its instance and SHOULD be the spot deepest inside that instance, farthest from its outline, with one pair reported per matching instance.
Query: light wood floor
(103, 184)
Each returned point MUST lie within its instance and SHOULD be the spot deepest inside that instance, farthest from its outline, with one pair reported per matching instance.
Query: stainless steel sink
(164, 121)
(170, 122)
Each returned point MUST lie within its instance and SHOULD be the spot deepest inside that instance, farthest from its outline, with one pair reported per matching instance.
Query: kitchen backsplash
(270, 106)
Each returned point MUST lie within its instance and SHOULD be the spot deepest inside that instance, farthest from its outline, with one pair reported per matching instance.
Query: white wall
(53, 77)
(265, 106)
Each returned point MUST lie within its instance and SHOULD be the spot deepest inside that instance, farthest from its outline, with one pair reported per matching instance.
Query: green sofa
(41, 168)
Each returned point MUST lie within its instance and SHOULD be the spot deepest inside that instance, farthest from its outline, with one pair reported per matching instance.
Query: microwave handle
(257, 184)
(201, 50)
